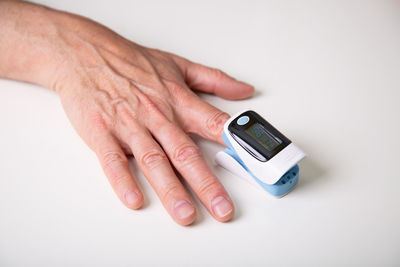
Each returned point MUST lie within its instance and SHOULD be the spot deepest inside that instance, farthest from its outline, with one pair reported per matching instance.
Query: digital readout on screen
(263, 137)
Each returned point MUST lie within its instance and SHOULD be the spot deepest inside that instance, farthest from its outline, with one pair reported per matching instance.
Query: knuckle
(152, 159)
(117, 178)
(155, 106)
(149, 103)
(113, 159)
(174, 87)
(207, 186)
(119, 104)
(112, 162)
(125, 111)
(218, 73)
(97, 121)
(187, 153)
(215, 122)
(169, 191)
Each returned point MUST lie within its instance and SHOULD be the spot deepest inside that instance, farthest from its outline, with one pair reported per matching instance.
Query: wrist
(29, 43)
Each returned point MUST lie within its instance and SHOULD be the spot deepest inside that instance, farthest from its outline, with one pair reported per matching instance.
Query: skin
(125, 99)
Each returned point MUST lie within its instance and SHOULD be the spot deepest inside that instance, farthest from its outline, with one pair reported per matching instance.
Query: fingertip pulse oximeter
(260, 154)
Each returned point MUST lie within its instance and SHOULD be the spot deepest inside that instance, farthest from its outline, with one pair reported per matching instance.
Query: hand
(123, 99)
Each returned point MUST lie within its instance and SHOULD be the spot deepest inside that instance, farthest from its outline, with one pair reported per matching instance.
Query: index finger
(201, 118)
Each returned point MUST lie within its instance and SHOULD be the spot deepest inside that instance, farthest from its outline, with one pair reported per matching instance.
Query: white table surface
(327, 75)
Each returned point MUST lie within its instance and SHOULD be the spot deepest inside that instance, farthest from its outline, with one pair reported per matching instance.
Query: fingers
(158, 171)
(187, 159)
(213, 81)
(116, 167)
(203, 119)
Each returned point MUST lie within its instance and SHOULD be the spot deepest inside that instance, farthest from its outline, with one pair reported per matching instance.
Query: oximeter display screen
(257, 136)
(262, 136)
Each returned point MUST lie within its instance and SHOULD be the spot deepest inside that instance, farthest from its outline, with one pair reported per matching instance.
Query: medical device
(260, 154)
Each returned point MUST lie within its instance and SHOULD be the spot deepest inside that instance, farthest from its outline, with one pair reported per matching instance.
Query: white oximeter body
(260, 153)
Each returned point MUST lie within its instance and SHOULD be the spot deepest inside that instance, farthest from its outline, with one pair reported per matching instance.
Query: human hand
(123, 99)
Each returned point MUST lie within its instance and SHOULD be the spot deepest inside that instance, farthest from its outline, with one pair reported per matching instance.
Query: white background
(327, 75)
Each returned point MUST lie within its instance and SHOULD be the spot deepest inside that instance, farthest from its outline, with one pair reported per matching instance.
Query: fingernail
(221, 206)
(131, 197)
(183, 209)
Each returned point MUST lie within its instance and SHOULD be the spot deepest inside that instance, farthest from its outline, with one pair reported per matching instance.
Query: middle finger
(158, 171)
(188, 160)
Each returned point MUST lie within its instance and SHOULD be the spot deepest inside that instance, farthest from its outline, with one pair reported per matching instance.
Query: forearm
(27, 43)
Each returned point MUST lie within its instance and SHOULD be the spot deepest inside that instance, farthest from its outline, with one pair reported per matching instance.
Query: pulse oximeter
(260, 154)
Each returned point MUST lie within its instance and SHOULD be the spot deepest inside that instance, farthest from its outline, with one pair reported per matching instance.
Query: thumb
(214, 81)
